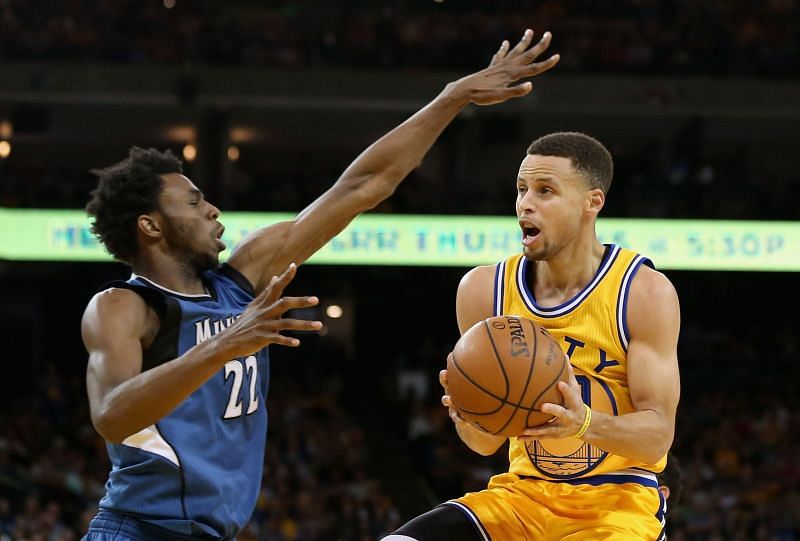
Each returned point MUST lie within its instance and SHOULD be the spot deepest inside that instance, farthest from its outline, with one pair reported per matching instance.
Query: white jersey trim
(151, 441)
(168, 290)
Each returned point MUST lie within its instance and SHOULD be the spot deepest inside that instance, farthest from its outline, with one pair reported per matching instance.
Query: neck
(571, 269)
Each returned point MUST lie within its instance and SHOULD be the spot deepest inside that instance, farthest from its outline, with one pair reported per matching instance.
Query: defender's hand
(491, 85)
(262, 321)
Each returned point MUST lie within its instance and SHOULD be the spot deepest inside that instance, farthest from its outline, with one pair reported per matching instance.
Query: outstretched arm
(375, 174)
(653, 380)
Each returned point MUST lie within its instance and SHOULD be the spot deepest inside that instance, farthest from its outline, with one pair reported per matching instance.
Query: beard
(181, 239)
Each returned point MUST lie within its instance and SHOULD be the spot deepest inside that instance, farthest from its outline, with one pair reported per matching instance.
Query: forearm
(644, 435)
(480, 442)
(151, 395)
(385, 163)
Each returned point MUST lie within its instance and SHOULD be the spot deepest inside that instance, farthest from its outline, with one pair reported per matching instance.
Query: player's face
(190, 225)
(552, 199)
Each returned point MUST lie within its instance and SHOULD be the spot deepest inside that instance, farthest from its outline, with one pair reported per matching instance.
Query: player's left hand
(495, 84)
(567, 418)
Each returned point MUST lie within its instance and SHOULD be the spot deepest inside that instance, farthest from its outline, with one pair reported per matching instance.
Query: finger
(573, 381)
(523, 44)
(572, 395)
(284, 304)
(297, 325)
(443, 378)
(280, 340)
(540, 47)
(503, 94)
(276, 287)
(501, 53)
(447, 401)
(539, 67)
(555, 410)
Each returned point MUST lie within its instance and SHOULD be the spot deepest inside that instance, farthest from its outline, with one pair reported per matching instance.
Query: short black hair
(125, 191)
(588, 156)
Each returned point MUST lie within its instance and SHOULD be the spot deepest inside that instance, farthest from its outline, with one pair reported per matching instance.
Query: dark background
(698, 102)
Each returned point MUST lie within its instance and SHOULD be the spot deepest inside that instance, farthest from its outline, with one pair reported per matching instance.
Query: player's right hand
(262, 322)
(446, 400)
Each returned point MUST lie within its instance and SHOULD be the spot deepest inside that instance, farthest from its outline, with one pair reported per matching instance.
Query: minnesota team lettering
(207, 328)
(518, 344)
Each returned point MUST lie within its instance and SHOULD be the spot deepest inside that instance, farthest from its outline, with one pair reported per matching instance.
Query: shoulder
(653, 302)
(478, 277)
(475, 297)
(116, 309)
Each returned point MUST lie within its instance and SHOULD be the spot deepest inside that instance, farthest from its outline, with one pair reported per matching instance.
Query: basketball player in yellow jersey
(591, 472)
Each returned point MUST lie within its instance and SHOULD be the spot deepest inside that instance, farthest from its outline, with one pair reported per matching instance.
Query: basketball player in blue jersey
(178, 367)
(590, 473)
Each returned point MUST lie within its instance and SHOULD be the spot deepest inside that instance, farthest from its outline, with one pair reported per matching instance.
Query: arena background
(698, 102)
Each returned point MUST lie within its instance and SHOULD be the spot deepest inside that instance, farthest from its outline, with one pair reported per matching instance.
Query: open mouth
(529, 233)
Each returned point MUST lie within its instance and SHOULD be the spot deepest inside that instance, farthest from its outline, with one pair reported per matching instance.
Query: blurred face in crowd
(554, 205)
(190, 229)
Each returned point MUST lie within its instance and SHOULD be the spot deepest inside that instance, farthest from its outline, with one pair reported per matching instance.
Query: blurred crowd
(709, 37)
(53, 467)
(743, 182)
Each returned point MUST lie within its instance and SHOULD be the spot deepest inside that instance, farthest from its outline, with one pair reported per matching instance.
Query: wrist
(587, 420)
(455, 95)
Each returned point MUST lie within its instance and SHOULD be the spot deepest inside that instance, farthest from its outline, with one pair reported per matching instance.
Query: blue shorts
(108, 526)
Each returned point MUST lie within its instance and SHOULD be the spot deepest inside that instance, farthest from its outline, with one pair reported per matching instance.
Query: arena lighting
(233, 153)
(189, 152)
(5, 150)
(169, 4)
(334, 311)
(450, 241)
(6, 129)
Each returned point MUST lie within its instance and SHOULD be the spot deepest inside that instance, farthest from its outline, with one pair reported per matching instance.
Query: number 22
(237, 368)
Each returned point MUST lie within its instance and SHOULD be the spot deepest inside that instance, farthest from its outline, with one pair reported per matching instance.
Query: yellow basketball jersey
(592, 329)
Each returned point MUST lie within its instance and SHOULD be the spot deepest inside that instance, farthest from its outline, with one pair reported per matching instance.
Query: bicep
(654, 323)
(112, 329)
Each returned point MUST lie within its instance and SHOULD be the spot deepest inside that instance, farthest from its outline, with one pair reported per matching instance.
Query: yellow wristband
(586, 421)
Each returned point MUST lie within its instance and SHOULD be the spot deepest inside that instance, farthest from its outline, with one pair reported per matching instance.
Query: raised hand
(262, 322)
(494, 84)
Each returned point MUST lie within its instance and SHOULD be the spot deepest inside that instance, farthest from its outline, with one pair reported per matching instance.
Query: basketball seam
(518, 404)
(502, 401)
(558, 376)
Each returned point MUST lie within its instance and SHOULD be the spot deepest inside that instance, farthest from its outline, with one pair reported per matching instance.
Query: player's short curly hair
(588, 155)
(125, 191)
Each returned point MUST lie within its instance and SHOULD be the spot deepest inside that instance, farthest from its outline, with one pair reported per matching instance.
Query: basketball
(501, 370)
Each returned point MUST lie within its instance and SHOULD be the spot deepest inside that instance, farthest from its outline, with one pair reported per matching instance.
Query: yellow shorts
(606, 507)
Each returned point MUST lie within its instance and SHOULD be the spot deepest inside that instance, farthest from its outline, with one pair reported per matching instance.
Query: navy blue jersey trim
(524, 278)
(472, 518)
(622, 299)
(499, 288)
(164, 346)
(238, 278)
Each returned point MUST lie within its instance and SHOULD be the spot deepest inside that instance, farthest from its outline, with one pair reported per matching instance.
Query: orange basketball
(501, 370)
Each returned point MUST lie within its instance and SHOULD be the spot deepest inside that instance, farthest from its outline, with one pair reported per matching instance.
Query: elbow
(657, 451)
(108, 427)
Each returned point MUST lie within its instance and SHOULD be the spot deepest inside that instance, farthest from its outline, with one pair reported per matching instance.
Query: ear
(149, 226)
(595, 200)
(664, 490)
